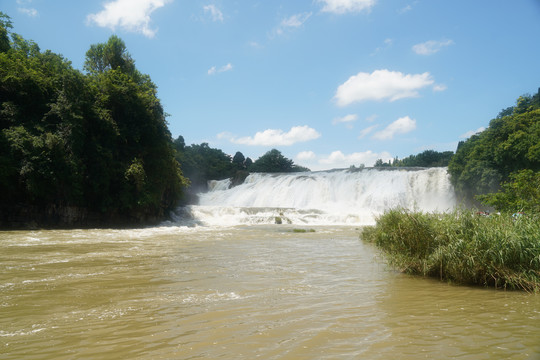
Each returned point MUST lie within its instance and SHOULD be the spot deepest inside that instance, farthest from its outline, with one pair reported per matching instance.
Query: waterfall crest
(324, 198)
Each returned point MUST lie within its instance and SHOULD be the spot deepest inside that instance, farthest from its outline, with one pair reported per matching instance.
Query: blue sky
(330, 83)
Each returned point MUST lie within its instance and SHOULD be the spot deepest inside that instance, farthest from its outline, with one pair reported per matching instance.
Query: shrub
(462, 247)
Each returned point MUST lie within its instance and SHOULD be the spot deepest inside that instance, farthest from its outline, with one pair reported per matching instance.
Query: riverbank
(462, 247)
(26, 217)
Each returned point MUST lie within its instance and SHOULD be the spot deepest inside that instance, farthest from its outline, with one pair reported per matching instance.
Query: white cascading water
(339, 197)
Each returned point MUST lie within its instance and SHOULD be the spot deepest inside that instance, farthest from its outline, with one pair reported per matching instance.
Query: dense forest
(500, 166)
(81, 148)
(427, 158)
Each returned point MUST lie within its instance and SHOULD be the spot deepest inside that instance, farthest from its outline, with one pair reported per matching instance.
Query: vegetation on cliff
(97, 142)
(498, 154)
(427, 158)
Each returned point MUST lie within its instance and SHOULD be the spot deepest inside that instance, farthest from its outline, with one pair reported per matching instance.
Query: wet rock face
(238, 178)
(68, 217)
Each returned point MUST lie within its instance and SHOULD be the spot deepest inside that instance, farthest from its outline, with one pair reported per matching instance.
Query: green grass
(462, 247)
(303, 230)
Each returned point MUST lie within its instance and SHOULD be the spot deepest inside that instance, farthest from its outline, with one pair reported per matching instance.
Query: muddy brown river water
(241, 292)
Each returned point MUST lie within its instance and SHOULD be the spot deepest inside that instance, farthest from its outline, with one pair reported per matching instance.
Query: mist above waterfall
(322, 198)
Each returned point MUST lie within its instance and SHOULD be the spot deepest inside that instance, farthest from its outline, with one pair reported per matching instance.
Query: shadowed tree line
(201, 163)
(500, 166)
(81, 147)
(427, 158)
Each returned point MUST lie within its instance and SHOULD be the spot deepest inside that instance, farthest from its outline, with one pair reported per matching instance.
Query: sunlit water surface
(241, 293)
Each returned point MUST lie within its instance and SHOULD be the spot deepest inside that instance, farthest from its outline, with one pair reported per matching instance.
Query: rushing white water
(322, 198)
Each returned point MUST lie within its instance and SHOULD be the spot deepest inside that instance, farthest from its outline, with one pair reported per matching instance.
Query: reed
(462, 247)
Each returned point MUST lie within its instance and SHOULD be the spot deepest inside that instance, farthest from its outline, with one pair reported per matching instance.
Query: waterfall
(323, 198)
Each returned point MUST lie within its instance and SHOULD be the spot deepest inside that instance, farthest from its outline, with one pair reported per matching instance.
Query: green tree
(5, 25)
(427, 158)
(98, 141)
(511, 143)
(111, 55)
(201, 163)
(520, 193)
(239, 160)
(273, 161)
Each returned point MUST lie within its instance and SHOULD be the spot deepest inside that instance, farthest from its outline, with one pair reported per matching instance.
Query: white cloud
(405, 9)
(345, 6)
(381, 85)
(345, 119)
(431, 47)
(372, 118)
(29, 11)
(26, 9)
(213, 70)
(439, 87)
(255, 44)
(337, 159)
(470, 133)
(400, 126)
(292, 22)
(277, 137)
(306, 155)
(367, 130)
(215, 13)
(129, 15)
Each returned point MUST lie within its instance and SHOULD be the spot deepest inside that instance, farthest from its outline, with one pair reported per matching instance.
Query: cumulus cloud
(214, 70)
(470, 133)
(347, 119)
(272, 137)
(129, 15)
(26, 9)
(214, 12)
(29, 11)
(439, 87)
(277, 137)
(402, 125)
(431, 47)
(306, 155)
(292, 22)
(338, 159)
(381, 85)
(346, 6)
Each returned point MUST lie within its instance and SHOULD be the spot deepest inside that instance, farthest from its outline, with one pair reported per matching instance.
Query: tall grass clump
(462, 247)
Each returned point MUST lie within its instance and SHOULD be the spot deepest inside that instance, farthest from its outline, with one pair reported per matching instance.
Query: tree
(99, 142)
(511, 143)
(427, 158)
(273, 161)
(201, 163)
(5, 25)
(111, 55)
(520, 193)
(381, 163)
(238, 160)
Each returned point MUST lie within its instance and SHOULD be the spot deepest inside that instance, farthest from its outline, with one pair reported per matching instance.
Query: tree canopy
(495, 156)
(273, 161)
(97, 141)
(427, 158)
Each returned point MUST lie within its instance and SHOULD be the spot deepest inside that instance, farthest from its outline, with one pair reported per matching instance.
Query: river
(243, 290)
